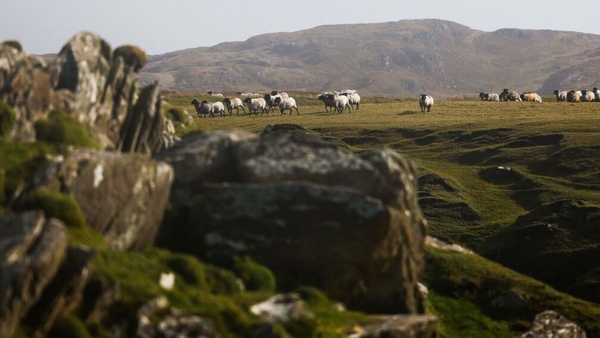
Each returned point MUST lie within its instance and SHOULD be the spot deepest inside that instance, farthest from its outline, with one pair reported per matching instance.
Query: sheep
(530, 97)
(560, 95)
(285, 104)
(353, 98)
(328, 103)
(511, 95)
(587, 96)
(597, 93)
(218, 108)
(573, 96)
(283, 95)
(203, 108)
(256, 104)
(490, 97)
(215, 94)
(425, 101)
(340, 103)
(235, 103)
(483, 96)
(270, 100)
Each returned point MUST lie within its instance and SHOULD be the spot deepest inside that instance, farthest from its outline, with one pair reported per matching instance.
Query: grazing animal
(530, 97)
(353, 98)
(285, 104)
(490, 97)
(325, 98)
(256, 104)
(203, 108)
(561, 96)
(425, 102)
(270, 100)
(597, 93)
(215, 94)
(283, 95)
(340, 102)
(235, 103)
(573, 96)
(483, 96)
(509, 95)
(587, 96)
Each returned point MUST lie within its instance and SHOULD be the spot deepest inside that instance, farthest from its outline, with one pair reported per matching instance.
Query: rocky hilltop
(401, 58)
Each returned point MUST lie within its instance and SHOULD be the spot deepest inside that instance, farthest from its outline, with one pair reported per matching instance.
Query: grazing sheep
(270, 100)
(283, 95)
(483, 96)
(560, 95)
(491, 97)
(511, 95)
(215, 94)
(235, 103)
(340, 102)
(204, 108)
(597, 93)
(285, 104)
(425, 101)
(353, 98)
(587, 96)
(256, 104)
(325, 98)
(218, 108)
(573, 96)
(531, 97)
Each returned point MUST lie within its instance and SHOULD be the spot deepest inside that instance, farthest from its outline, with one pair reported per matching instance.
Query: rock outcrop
(348, 224)
(122, 196)
(89, 84)
(399, 326)
(550, 324)
(31, 252)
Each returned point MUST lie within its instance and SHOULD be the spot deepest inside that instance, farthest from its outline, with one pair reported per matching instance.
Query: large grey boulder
(346, 223)
(31, 252)
(122, 196)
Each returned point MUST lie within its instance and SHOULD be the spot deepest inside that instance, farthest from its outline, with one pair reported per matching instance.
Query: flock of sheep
(568, 96)
(338, 101)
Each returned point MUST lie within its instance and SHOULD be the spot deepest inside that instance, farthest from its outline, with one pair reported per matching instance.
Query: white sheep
(340, 102)
(256, 104)
(353, 98)
(587, 96)
(218, 108)
(203, 108)
(235, 103)
(285, 104)
(215, 94)
(425, 101)
(560, 95)
(283, 95)
(270, 100)
(597, 93)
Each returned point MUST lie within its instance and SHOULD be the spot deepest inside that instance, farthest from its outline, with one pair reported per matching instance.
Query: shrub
(61, 129)
(8, 118)
(176, 114)
(256, 277)
(221, 282)
(132, 56)
(57, 205)
(14, 44)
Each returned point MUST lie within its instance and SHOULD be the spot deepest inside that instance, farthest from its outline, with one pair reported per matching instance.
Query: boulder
(122, 196)
(313, 213)
(399, 326)
(282, 308)
(550, 324)
(31, 252)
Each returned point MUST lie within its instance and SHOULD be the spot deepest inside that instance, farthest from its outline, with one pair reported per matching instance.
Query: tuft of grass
(256, 277)
(60, 129)
(176, 114)
(14, 44)
(8, 118)
(57, 205)
(134, 56)
(69, 327)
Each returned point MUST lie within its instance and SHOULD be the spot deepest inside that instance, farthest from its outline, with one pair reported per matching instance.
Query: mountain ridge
(402, 58)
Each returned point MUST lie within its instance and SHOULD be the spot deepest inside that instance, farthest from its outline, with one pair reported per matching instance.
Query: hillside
(401, 58)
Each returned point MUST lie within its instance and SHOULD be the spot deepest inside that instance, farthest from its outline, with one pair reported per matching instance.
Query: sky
(159, 27)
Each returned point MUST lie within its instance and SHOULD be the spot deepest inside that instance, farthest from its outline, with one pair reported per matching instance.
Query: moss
(304, 327)
(313, 296)
(8, 118)
(19, 161)
(2, 194)
(132, 55)
(14, 44)
(256, 277)
(221, 282)
(189, 268)
(57, 205)
(61, 130)
(176, 114)
(69, 327)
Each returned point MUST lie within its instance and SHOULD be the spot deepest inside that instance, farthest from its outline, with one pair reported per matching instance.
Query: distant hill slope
(401, 58)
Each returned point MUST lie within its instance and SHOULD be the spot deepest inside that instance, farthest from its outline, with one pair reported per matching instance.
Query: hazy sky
(44, 26)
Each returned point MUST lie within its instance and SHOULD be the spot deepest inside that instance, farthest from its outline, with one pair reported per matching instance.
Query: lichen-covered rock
(31, 252)
(348, 224)
(282, 308)
(550, 324)
(122, 196)
(86, 82)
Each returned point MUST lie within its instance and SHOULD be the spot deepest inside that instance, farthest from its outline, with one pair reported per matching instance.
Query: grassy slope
(457, 148)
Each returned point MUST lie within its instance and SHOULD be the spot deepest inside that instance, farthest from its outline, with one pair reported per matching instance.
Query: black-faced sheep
(353, 98)
(509, 95)
(587, 96)
(560, 95)
(285, 104)
(215, 94)
(340, 103)
(597, 93)
(425, 102)
(490, 97)
(235, 103)
(573, 96)
(255, 104)
(203, 108)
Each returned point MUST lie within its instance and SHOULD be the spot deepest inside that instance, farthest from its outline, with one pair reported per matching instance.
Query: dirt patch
(536, 141)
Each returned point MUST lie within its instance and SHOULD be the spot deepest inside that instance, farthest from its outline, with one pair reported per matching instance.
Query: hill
(402, 58)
